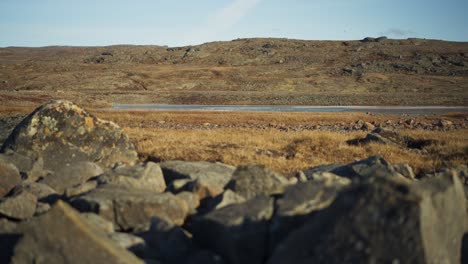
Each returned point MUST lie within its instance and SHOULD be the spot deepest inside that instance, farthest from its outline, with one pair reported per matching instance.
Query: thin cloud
(224, 19)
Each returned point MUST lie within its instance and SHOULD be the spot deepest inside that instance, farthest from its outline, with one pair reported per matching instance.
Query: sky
(178, 23)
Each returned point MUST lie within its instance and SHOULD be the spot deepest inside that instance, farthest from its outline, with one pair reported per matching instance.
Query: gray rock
(375, 166)
(205, 257)
(9, 178)
(62, 236)
(21, 206)
(405, 170)
(329, 178)
(168, 242)
(191, 199)
(43, 192)
(31, 169)
(239, 232)
(131, 210)
(62, 133)
(297, 204)
(41, 208)
(98, 222)
(142, 177)
(213, 175)
(254, 180)
(228, 197)
(71, 175)
(383, 220)
(80, 189)
(132, 243)
(321, 168)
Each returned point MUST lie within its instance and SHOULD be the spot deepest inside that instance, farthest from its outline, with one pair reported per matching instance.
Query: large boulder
(147, 177)
(210, 176)
(131, 210)
(383, 220)
(62, 236)
(254, 180)
(297, 204)
(9, 178)
(61, 133)
(239, 232)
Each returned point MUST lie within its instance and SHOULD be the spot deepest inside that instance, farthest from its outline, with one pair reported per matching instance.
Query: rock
(147, 177)
(321, 168)
(298, 202)
(131, 210)
(375, 166)
(254, 180)
(30, 169)
(445, 124)
(205, 257)
(239, 232)
(98, 222)
(405, 170)
(62, 236)
(62, 133)
(368, 126)
(192, 200)
(42, 192)
(329, 178)
(383, 220)
(21, 206)
(71, 175)
(382, 136)
(197, 187)
(168, 242)
(228, 197)
(80, 189)
(213, 175)
(9, 178)
(41, 208)
(130, 242)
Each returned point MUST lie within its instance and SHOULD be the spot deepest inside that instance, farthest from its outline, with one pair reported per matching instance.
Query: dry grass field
(208, 136)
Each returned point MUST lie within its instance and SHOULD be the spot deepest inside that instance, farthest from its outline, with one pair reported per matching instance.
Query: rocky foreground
(74, 191)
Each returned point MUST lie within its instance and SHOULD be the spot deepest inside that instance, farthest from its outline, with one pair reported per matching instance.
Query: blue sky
(177, 22)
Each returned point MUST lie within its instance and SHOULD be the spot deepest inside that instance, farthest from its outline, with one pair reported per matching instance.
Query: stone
(254, 180)
(197, 187)
(167, 241)
(20, 206)
(191, 199)
(41, 208)
(43, 192)
(98, 222)
(31, 169)
(80, 189)
(205, 257)
(71, 175)
(405, 170)
(367, 126)
(62, 236)
(147, 177)
(9, 178)
(321, 168)
(375, 166)
(132, 243)
(131, 210)
(297, 204)
(238, 233)
(62, 133)
(228, 197)
(383, 220)
(329, 178)
(213, 175)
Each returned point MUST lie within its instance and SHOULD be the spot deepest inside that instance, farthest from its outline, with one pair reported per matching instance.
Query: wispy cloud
(397, 32)
(224, 19)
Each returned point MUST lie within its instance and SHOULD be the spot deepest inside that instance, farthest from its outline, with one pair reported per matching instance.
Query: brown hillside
(244, 71)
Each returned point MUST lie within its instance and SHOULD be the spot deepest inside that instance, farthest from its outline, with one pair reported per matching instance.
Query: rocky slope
(73, 191)
(244, 71)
